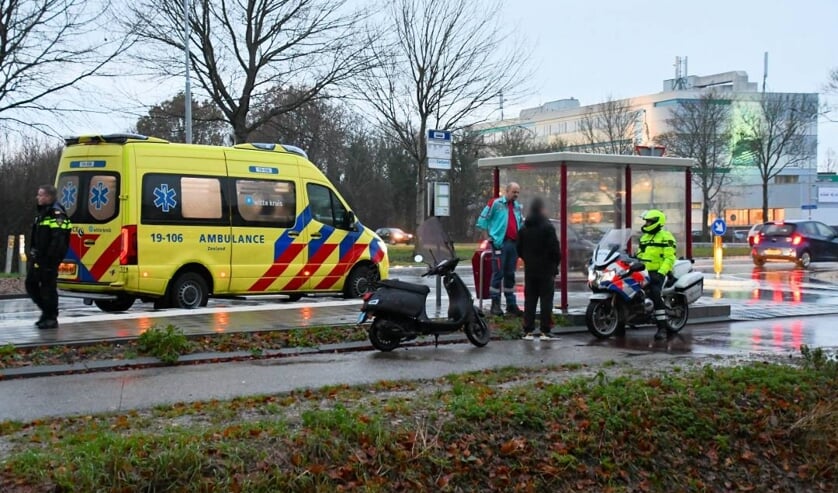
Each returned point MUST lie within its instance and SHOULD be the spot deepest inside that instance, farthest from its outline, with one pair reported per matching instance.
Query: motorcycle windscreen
(611, 246)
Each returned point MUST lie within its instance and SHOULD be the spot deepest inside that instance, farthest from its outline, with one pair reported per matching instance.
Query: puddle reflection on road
(759, 336)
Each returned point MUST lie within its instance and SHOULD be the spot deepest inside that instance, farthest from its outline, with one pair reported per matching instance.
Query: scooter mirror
(418, 258)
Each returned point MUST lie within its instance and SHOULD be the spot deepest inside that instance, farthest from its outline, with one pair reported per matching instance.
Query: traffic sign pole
(719, 228)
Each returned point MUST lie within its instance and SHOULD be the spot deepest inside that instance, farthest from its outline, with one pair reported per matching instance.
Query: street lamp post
(187, 93)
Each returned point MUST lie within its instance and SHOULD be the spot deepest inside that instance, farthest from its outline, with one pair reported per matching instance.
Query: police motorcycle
(397, 308)
(620, 289)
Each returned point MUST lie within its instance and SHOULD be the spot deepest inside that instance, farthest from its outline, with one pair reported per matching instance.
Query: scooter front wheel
(477, 330)
(380, 338)
(603, 319)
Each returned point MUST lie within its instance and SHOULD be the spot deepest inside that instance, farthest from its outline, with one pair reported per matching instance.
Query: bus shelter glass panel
(664, 190)
(594, 205)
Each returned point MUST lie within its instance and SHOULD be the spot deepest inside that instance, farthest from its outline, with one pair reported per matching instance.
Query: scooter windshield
(611, 246)
(433, 244)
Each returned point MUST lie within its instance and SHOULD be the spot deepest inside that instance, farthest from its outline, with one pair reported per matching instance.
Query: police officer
(657, 251)
(48, 245)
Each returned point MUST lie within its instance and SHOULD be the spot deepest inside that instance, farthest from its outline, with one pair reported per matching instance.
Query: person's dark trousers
(41, 286)
(656, 281)
(539, 290)
(503, 270)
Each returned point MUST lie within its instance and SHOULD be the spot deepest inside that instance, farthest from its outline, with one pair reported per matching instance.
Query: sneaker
(528, 337)
(548, 337)
(514, 310)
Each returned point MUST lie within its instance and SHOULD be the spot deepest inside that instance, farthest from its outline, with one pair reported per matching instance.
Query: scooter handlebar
(442, 267)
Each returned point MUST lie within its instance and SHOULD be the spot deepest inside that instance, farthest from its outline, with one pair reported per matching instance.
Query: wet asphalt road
(27, 399)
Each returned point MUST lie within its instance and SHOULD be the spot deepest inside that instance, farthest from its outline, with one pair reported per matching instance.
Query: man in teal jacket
(501, 219)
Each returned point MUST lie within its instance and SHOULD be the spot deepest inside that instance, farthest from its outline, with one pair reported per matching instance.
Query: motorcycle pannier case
(691, 286)
(394, 296)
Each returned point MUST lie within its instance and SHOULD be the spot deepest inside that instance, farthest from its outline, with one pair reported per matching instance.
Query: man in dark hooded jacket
(538, 246)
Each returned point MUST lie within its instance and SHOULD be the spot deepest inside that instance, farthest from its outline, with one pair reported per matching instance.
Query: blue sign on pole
(809, 207)
(719, 227)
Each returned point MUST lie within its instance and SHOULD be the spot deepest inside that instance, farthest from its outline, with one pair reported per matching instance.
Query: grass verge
(711, 429)
(168, 343)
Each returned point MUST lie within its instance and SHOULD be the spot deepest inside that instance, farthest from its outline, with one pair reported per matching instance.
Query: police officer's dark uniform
(657, 251)
(48, 245)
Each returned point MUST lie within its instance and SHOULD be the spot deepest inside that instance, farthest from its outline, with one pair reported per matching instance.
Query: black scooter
(398, 310)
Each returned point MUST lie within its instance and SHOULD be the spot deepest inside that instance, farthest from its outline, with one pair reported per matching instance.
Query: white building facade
(794, 193)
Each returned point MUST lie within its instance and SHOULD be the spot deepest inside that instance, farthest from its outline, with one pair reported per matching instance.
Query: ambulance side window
(177, 199)
(326, 207)
(266, 203)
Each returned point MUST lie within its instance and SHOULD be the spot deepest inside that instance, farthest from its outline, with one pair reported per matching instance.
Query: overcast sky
(590, 49)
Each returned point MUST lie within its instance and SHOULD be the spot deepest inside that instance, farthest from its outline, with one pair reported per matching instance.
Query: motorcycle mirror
(637, 267)
(418, 258)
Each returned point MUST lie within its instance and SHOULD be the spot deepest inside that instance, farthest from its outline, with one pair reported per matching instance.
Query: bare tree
(166, 120)
(700, 129)
(438, 64)
(832, 82)
(609, 127)
(242, 49)
(778, 133)
(47, 47)
(31, 165)
(321, 127)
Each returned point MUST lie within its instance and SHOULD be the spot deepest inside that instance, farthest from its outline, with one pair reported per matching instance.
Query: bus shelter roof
(586, 160)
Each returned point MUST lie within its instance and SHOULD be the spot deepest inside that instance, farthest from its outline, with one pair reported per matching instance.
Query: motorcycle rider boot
(663, 326)
(496, 310)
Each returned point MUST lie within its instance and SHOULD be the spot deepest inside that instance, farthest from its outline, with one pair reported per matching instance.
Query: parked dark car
(579, 249)
(394, 236)
(802, 242)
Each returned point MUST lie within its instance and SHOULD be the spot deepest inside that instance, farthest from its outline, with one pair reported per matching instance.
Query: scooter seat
(404, 286)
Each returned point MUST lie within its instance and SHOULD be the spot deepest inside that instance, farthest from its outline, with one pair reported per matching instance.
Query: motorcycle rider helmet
(653, 221)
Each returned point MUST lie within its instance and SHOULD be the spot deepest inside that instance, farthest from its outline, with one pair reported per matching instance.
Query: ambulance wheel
(361, 280)
(120, 304)
(189, 290)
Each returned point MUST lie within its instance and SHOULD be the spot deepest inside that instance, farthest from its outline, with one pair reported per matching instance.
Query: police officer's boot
(663, 326)
(496, 310)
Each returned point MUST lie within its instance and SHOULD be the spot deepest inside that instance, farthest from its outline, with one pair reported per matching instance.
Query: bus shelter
(587, 195)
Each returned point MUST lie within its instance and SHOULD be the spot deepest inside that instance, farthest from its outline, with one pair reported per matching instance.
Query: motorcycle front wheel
(477, 330)
(603, 320)
(677, 313)
(380, 338)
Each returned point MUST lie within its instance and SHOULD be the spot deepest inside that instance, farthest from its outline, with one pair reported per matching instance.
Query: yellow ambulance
(177, 223)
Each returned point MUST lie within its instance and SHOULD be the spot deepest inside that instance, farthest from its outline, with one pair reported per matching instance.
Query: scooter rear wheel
(380, 338)
(477, 330)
